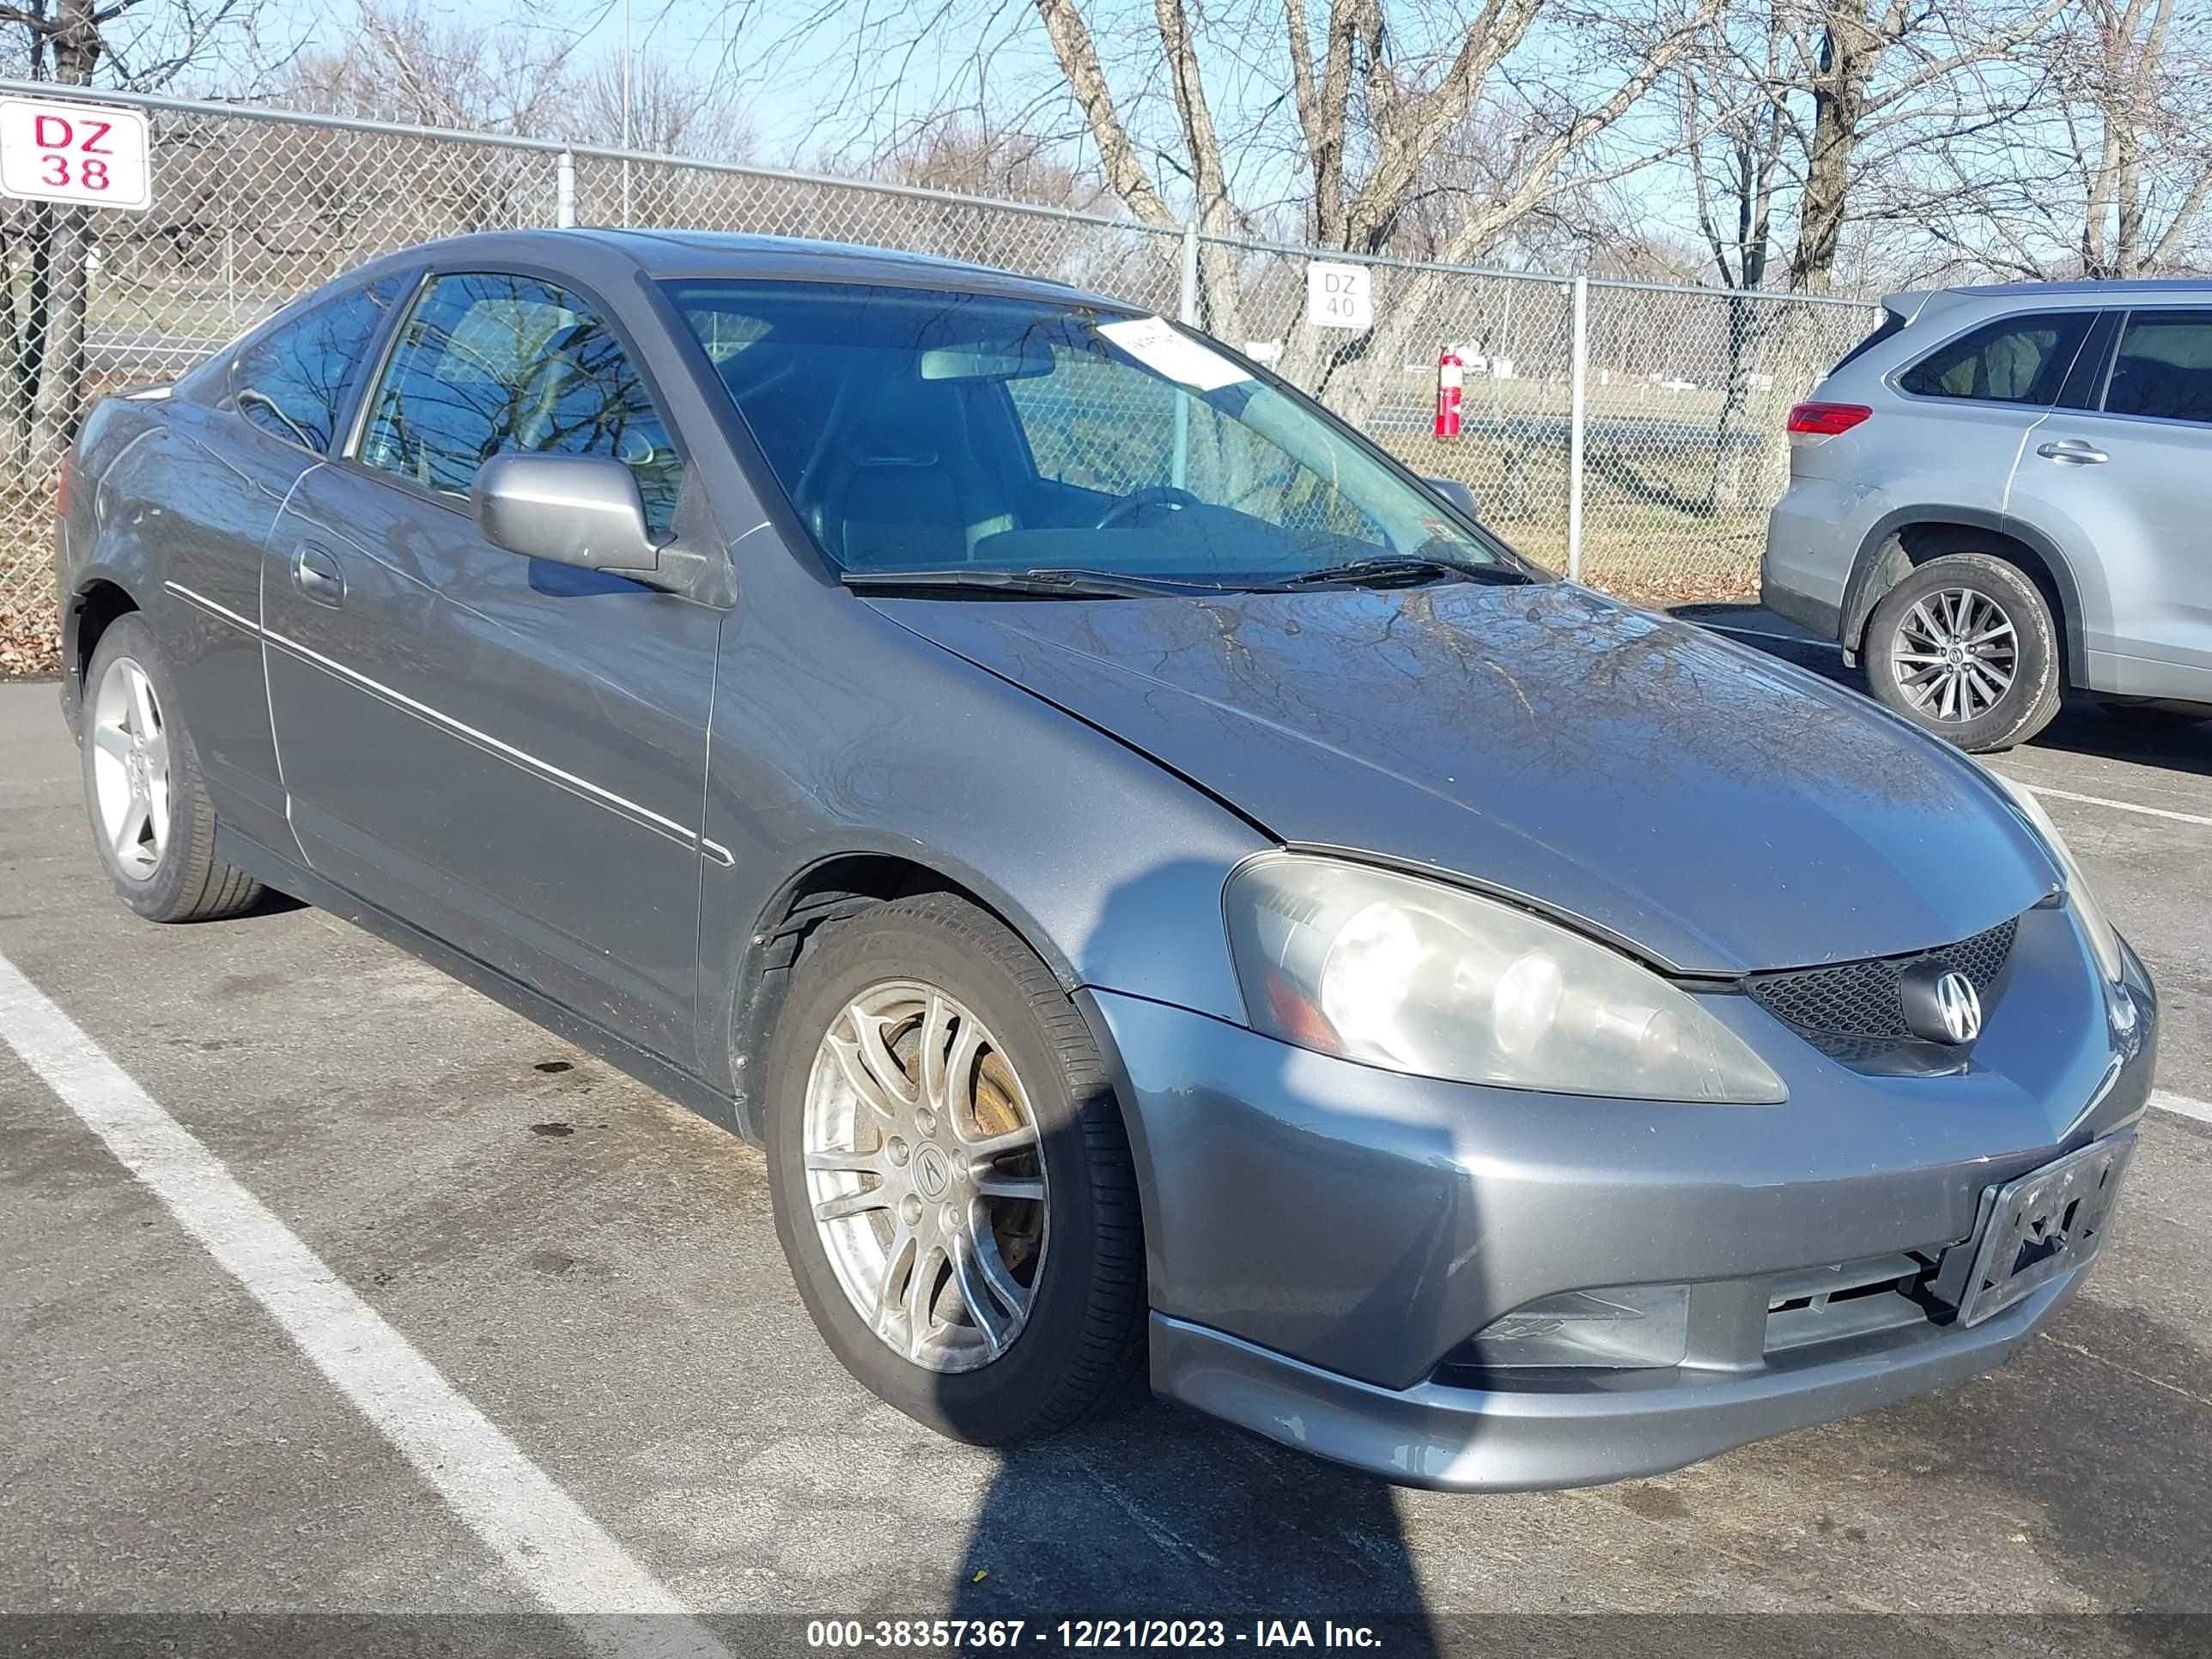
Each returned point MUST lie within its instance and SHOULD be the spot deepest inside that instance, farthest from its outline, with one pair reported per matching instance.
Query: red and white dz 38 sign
(65, 152)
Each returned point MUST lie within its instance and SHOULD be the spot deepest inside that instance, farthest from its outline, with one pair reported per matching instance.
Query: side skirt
(286, 877)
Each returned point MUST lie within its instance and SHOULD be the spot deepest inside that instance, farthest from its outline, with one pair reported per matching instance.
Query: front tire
(952, 1179)
(151, 818)
(1965, 647)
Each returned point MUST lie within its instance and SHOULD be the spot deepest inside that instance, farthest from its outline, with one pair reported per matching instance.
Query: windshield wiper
(1396, 569)
(1049, 581)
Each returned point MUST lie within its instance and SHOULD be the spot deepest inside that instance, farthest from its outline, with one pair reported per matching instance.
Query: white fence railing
(1654, 481)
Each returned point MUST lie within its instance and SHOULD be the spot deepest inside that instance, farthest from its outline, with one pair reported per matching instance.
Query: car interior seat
(900, 482)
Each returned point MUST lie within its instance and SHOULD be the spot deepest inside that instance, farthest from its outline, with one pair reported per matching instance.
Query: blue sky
(802, 113)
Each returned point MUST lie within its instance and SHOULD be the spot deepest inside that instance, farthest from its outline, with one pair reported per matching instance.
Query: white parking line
(2181, 1105)
(2116, 805)
(559, 1553)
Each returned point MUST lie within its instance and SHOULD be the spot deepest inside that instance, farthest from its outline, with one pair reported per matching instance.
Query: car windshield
(965, 436)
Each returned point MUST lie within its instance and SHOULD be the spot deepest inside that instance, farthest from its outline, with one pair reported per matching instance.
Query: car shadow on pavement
(1159, 1513)
(2171, 742)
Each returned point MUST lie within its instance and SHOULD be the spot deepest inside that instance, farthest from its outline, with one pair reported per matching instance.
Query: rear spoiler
(1909, 306)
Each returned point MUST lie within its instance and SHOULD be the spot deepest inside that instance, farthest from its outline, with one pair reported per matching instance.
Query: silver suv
(2001, 493)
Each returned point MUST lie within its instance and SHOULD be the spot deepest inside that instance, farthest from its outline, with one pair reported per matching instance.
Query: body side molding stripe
(645, 816)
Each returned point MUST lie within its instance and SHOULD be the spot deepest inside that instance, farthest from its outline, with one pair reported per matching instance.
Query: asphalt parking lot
(557, 1366)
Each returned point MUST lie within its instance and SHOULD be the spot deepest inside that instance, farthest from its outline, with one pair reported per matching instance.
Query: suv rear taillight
(1815, 424)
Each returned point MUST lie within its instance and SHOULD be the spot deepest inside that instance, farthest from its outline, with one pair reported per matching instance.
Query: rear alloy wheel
(151, 818)
(129, 768)
(1964, 647)
(952, 1177)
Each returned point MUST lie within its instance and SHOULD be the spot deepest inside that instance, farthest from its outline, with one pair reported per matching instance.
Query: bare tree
(2112, 180)
(672, 111)
(1379, 97)
(406, 62)
(970, 156)
(1883, 76)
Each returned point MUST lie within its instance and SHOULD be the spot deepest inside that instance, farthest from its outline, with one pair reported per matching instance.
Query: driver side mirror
(1458, 494)
(581, 510)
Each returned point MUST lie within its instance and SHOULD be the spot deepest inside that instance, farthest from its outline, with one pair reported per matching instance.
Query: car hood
(1716, 809)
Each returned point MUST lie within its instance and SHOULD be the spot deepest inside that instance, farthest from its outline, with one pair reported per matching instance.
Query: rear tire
(151, 818)
(995, 1297)
(1965, 647)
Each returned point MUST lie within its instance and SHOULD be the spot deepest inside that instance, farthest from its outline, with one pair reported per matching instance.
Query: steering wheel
(1138, 501)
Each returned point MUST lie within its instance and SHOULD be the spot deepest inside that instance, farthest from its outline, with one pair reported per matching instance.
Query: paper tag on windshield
(1159, 348)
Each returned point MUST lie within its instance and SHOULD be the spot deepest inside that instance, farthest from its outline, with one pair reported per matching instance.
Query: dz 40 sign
(65, 152)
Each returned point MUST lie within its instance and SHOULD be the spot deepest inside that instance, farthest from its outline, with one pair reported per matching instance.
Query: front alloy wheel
(922, 1168)
(953, 1180)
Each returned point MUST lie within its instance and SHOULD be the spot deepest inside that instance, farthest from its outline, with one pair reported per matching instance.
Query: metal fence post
(564, 189)
(1579, 370)
(1188, 314)
(1187, 309)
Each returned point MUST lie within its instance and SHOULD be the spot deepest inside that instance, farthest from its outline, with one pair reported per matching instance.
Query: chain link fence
(1684, 390)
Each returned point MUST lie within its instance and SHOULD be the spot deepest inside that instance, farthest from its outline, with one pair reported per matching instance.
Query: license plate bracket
(2043, 1224)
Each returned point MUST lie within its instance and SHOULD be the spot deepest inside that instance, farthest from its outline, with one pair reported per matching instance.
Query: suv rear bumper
(1812, 543)
(1807, 611)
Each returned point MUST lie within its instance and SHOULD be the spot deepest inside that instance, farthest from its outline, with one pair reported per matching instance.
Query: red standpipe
(1451, 373)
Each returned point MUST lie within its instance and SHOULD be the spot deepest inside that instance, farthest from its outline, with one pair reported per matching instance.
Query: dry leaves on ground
(30, 642)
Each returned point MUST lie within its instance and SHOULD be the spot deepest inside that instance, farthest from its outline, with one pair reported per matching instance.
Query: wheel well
(94, 609)
(1913, 545)
(821, 893)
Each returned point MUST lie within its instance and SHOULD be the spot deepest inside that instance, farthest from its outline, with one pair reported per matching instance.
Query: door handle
(316, 576)
(2072, 451)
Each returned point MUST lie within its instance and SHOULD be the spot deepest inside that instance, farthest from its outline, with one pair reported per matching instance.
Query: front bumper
(1469, 1439)
(1324, 1237)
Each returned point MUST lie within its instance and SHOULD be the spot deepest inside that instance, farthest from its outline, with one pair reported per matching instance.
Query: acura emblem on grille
(1940, 1004)
(1959, 1006)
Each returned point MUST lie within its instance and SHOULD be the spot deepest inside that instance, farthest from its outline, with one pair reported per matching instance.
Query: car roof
(1914, 302)
(665, 254)
(2167, 286)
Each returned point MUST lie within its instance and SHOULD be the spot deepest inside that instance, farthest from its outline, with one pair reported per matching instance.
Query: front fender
(839, 733)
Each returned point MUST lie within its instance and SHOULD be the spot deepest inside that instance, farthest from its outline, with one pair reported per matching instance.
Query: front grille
(1849, 1300)
(1850, 1007)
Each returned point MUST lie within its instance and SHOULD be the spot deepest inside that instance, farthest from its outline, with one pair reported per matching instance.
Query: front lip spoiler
(1458, 1439)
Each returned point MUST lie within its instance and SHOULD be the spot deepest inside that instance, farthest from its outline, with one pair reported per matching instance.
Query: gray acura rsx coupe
(1162, 882)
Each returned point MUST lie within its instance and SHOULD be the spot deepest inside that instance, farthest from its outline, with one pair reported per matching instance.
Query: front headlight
(1423, 978)
(2103, 937)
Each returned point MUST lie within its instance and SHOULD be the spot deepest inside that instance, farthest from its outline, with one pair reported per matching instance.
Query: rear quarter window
(292, 381)
(2015, 359)
(1890, 325)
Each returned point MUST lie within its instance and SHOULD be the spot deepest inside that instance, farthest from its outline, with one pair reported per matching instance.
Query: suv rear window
(2015, 359)
(1891, 323)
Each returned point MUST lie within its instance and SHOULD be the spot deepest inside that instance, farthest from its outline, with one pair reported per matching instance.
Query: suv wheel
(151, 818)
(950, 1175)
(1965, 647)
